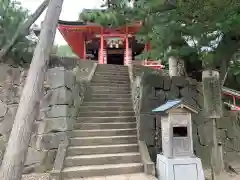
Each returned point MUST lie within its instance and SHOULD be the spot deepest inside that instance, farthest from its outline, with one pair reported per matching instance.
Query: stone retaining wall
(155, 88)
(62, 96)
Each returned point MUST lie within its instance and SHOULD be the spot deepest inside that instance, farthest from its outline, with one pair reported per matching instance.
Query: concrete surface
(139, 176)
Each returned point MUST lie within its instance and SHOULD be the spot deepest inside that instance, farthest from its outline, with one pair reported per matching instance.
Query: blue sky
(70, 11)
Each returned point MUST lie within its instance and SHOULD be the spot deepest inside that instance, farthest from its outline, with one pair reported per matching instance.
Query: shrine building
(106, 45)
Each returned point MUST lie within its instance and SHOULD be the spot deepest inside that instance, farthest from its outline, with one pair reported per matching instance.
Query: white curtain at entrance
(104, 55)
(128, 57)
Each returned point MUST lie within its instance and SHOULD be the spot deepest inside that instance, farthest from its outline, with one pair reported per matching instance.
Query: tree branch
(23, 29)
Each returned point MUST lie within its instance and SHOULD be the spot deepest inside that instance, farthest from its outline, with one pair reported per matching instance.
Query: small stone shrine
(177, 161)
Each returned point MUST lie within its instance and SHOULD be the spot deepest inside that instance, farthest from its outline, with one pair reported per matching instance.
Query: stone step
(103, 149)
(112, 68)
(107, 91)
(102, 170)
(107, 103)
(105, 108)
(108, 99)
(127, 95)
(110, 88)
(116, 85)
(116, 73)
(115, 125)
(110, 83)
(111, 78)
(99, 159)
(104, 89)
(112, 74)
(103, 140)
(102, 132)
(104, 92)
(112, 95)
(106, 119)
(107, 83)
(106, 113)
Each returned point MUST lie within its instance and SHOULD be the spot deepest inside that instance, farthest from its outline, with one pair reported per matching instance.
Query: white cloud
(70, 11)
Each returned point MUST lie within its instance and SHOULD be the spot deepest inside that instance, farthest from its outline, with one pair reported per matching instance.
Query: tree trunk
(225, 51)
(23, 29)
(16, 151)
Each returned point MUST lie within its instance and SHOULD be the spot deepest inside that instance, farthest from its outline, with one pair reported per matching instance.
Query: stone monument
(177, 160)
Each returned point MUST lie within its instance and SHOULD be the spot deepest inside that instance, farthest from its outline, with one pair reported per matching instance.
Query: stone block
(3, 109)
(3, 73)
(179, 81)
(224, 123)
(34, 156)
(47, 162)
(3, 143)
(152, 153)
(7, 122)
(203, 152)
(205, 133)
(199, 118)
(166, 83)
(147, 128)
(51, 141)
(60, 96)
(60, 124)
(82, 73)
(58, 77)
(192, 81)
(15, 74)
(221, 134)
(147, 121)
(188, 92)
(149, 103)
(153, 80)
(173, 93)
(57, 111)
(9, 74)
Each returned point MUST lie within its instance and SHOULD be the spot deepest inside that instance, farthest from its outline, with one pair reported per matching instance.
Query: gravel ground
(36, 177)
(225, 176)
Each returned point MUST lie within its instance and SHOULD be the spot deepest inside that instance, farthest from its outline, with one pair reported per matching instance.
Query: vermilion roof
(75, 32)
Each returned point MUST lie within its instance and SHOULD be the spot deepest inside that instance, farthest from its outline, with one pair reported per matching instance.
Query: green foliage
(164, 25)
(64, 51)
(117, 13)
(11, 16)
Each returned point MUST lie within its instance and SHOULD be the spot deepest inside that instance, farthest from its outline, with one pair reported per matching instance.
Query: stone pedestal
(181, 168)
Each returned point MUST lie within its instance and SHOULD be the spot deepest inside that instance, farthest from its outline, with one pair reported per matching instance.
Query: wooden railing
(234, 95)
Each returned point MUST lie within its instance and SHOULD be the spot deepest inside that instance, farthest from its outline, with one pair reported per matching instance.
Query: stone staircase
(104, 141)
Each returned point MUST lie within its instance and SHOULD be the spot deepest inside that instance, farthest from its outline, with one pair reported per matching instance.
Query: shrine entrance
(105, 45)
(115, 56)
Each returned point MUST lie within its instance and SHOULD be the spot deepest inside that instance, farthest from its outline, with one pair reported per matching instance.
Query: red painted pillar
(126, 51)
(84, 50)
(101, 51)
(234, 100)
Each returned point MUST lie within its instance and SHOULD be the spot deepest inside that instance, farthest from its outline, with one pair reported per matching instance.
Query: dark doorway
(180, 132)
(115, 59)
